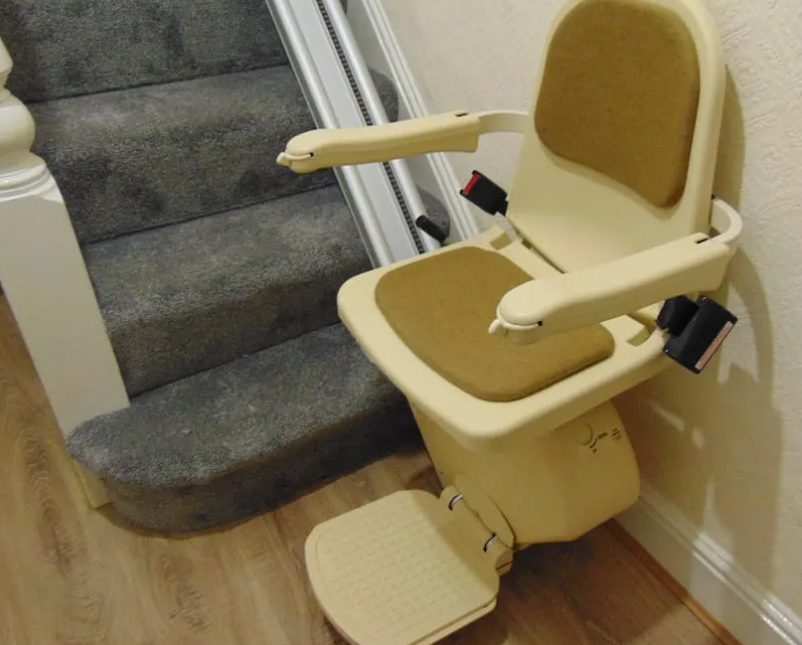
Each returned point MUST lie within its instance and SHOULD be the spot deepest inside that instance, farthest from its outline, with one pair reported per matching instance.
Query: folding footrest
(408, 569)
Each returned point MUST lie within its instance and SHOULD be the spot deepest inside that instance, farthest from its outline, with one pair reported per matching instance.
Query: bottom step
(238, 439)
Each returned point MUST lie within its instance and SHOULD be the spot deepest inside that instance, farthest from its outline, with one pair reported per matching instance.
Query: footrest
(400, 571)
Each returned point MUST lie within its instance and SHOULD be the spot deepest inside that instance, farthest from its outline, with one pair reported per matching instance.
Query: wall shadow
(712, 444)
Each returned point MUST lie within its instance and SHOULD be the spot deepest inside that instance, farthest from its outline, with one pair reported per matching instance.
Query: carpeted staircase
(215, 269)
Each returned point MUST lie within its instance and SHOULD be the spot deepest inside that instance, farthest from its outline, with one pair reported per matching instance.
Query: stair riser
(152, 354)
(184, 298)
(262, 487)
(137, 197)
(71, 47)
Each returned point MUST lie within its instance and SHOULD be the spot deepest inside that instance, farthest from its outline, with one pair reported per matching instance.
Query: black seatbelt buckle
(485, 194)
(696, 330)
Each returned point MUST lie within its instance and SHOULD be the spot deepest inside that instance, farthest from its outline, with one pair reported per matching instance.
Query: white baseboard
(719, 584)
(381, 50)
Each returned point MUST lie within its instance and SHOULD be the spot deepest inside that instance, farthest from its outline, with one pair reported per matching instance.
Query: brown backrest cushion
(441, 307)
(620, 93)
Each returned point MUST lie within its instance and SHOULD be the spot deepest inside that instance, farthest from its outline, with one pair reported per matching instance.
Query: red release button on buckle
(485, 193)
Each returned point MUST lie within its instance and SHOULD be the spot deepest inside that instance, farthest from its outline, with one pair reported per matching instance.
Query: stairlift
(510, 346)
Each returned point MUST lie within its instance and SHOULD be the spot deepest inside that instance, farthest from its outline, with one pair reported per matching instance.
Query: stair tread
(102, 46)
(184, 298)
(315, 394)
(149, 156)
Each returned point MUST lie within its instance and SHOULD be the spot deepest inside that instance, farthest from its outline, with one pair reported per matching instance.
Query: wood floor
(75, 576)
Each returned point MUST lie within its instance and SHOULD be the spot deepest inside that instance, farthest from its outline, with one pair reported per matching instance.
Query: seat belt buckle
(696, 330)
(486, 194)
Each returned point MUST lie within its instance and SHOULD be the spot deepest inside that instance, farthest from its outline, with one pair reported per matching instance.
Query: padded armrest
(449, 132)
(547, 306)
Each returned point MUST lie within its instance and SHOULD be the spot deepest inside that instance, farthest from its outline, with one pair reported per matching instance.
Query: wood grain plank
(72, 575)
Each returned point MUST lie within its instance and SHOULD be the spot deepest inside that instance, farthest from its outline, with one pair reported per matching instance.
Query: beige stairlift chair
(510, 346)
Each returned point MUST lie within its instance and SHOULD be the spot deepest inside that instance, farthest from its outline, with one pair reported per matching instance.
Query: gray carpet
(264, 274)
(71, 47)
(216, 270)
(242, 437)
(187, 297)
(150, 156)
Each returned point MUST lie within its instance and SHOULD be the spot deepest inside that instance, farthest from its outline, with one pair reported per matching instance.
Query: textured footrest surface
(399, 571)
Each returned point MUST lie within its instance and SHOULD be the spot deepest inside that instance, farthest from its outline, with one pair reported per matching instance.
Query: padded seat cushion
(442, 306)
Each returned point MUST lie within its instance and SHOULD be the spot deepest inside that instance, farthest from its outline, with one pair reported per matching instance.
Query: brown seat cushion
(441, 307)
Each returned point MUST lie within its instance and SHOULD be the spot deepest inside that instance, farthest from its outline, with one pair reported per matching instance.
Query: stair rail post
(46, 283)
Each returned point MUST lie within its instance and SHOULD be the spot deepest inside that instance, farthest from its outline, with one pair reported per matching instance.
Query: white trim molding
(720, 585)
(46, 283)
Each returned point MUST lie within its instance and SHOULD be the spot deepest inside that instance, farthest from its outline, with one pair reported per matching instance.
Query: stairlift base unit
(549, 488)
(410, 569)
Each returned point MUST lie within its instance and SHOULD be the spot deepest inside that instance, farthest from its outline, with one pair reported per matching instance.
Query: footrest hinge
(483, 538)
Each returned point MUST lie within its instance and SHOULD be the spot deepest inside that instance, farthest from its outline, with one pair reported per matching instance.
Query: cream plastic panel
(404, 570)
(456, 131)
(577, 217)
(541, 308)
(551, 488)
(486, 425)
(315, 149)
(636, 283)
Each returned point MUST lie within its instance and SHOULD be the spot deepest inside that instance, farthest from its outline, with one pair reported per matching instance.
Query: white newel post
(46, 283)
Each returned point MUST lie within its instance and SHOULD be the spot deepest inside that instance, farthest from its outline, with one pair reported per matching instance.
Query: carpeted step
(238, 439)
(187, 297)
(150, 156)
(184, 298)
(71, 47)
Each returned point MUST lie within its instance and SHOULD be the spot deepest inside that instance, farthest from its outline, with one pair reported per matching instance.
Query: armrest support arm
(547, 306)
(456, 131)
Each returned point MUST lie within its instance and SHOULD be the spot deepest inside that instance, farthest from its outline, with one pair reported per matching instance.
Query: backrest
(621, 149)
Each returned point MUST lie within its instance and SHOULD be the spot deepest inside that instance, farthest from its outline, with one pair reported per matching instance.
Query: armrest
(449, 132)
(547, 306)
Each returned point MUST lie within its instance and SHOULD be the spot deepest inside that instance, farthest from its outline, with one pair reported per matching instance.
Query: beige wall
(724, 447)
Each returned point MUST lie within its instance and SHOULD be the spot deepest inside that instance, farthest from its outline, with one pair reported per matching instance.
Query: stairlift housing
(612, 211)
